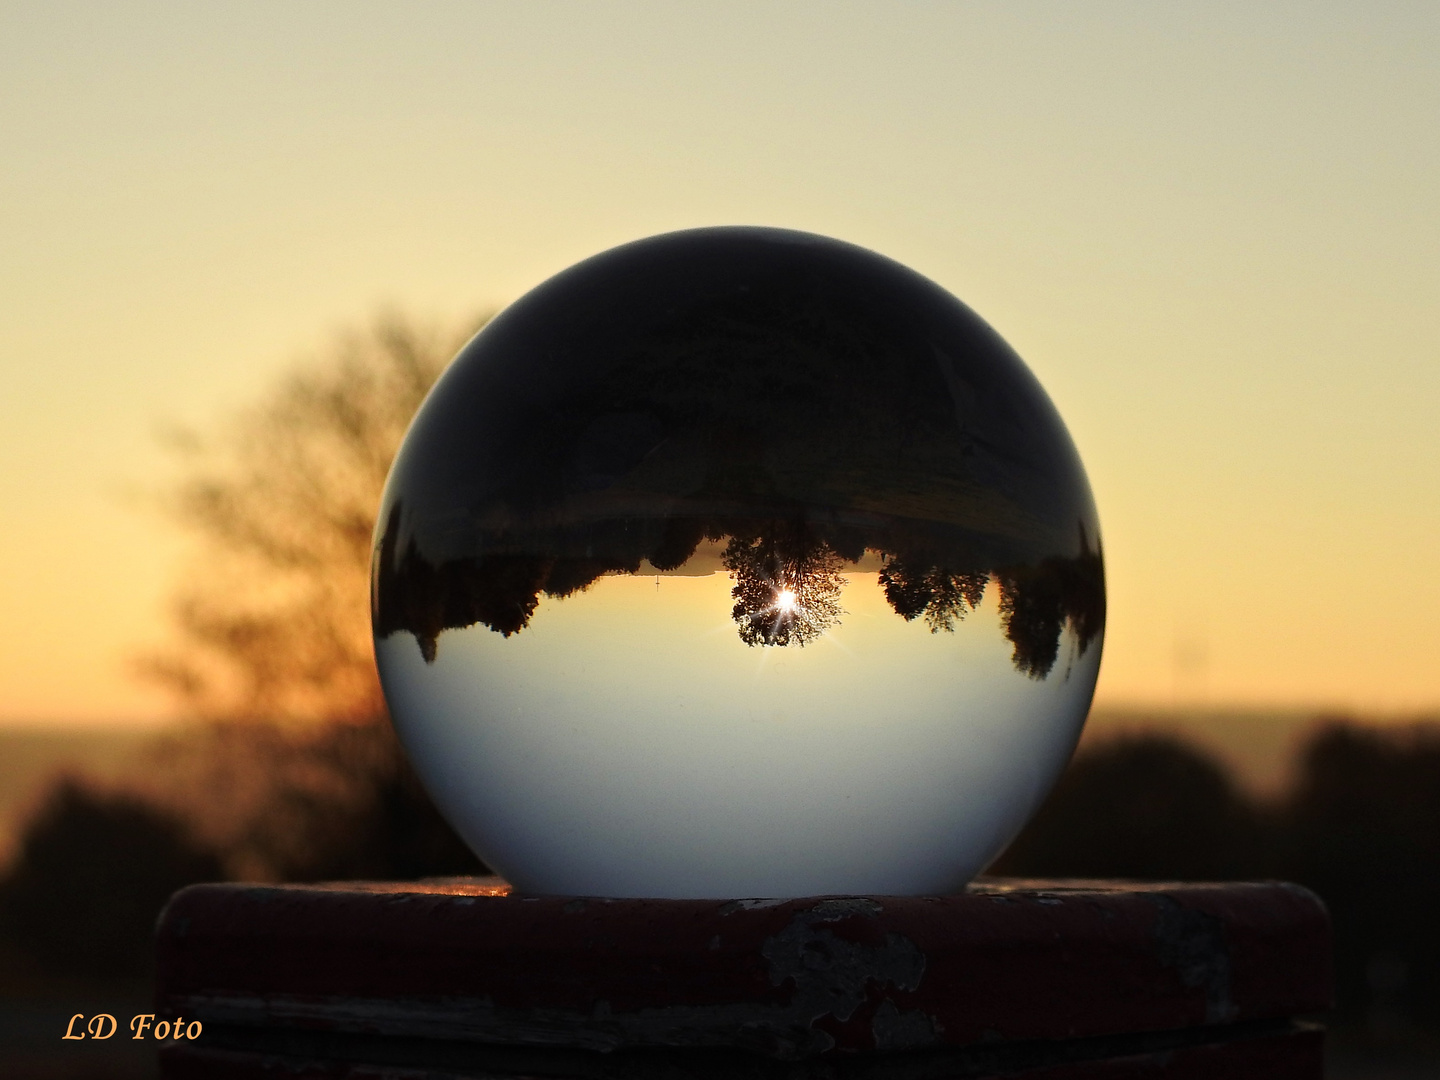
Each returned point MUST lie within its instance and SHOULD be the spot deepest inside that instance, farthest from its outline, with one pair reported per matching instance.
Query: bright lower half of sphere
(629, 743)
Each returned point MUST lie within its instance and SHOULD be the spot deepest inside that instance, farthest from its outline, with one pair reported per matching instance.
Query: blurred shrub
(95, 868)
(1145, 807)
(1362, 828)
(93, 872)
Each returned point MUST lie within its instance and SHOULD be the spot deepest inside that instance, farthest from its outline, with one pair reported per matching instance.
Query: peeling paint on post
(1193, 943)
(833, 977)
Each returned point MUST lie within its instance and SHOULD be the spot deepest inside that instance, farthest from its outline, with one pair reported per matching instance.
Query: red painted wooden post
(1045, 980)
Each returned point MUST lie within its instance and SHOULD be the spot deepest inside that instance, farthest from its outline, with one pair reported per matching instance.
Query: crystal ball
(738, 562)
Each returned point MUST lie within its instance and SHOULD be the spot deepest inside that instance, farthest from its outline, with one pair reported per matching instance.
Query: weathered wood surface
(1037, 979)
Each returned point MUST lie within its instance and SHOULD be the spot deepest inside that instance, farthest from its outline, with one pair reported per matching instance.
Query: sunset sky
(1212, 230)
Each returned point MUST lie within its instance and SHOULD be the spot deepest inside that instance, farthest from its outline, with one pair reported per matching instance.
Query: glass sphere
(738, 562)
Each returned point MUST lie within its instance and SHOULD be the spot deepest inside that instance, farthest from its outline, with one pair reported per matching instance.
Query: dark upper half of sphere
(728, 374)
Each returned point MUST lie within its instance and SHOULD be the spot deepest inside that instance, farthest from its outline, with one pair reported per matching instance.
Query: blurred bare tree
(273, 615)
(298, 775)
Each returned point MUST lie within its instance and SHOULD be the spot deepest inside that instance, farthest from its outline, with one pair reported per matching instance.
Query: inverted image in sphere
(738, 562)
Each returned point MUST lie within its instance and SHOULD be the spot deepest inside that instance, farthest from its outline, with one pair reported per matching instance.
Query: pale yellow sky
(1210, 228)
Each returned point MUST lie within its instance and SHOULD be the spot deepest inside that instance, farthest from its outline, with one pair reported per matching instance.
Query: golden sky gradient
(1212, 229)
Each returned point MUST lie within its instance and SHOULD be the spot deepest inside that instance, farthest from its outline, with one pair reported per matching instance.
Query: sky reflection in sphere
(738, 562)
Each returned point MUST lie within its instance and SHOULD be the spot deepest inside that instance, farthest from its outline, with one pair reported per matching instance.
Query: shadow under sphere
(738, 562)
